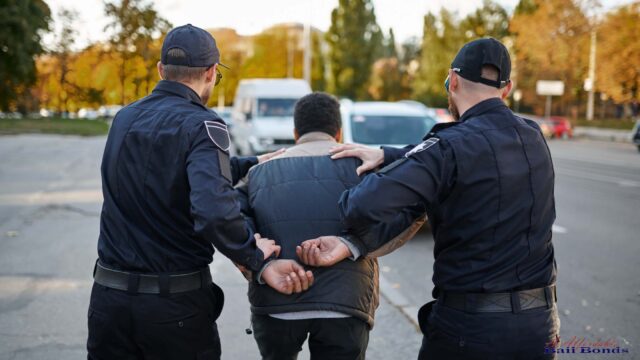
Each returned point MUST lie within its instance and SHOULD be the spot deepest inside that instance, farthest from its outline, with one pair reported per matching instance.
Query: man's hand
(268, 156)
(267, 246)
(287, 276)
(371, 158)
(323, 251)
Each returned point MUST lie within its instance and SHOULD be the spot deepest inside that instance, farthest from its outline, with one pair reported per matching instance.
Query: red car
(561, 127)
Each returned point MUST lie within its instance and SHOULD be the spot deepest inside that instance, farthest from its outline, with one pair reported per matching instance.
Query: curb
(600, 134)
(399, 301)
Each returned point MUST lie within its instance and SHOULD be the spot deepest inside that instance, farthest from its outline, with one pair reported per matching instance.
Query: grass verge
(80, 127)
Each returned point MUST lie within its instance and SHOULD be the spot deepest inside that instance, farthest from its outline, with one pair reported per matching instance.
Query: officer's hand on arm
(267, 246)
(323, 251)
(286, 276)
(371, 158)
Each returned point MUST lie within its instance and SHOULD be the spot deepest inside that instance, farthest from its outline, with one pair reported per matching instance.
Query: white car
(384, 123)
(262, 114)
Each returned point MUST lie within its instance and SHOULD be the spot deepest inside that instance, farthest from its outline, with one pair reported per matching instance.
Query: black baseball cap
(478, 53)
(199, 46)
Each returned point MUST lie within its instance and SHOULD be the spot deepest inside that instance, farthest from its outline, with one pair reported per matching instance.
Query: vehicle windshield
(276, 107)
(402, 130)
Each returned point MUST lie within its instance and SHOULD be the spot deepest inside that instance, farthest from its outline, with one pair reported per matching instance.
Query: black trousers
(335, 339)
(138, 326)
(453, 334)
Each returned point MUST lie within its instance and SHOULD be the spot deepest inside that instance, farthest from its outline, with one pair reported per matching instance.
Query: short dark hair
(180, 72)
(317, 111)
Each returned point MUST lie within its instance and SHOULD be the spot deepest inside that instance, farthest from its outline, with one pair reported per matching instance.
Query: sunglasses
(446, 81)
(218, 76)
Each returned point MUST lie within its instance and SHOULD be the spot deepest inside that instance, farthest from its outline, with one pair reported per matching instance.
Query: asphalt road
(50, 202)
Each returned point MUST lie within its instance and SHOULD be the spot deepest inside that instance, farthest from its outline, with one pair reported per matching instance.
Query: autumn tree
(22, 22)
(355, 41)
(136, 29)
(618, 54)
(551, 43)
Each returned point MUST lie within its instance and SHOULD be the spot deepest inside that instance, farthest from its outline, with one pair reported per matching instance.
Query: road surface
(50, 202)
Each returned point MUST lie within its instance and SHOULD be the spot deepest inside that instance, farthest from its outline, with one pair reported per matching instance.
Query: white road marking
(55, 197)
(558, 229)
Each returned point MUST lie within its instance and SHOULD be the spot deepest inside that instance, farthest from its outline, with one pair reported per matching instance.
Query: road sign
(549, 87)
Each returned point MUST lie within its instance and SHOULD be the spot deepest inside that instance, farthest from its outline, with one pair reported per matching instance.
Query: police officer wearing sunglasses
(168, 200)
(486, 182)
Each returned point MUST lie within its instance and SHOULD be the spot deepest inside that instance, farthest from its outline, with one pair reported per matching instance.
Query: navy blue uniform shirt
(487, 185)
(167, 185)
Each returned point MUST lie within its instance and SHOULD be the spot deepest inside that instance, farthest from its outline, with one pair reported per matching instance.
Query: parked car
(263, 114)
(636, 134)
(561, 127)
(546, 127)
(384, 123)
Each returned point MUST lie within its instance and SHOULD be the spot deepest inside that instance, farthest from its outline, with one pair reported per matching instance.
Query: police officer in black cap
(168, 200)
(486, 182)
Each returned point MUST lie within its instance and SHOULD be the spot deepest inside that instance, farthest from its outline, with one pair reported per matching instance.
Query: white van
(263, 114)
(376, 123)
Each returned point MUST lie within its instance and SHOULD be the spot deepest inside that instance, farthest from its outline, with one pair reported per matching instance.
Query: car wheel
(638, 148)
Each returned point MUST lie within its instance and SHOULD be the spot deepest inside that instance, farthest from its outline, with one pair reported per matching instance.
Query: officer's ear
(506, 90)
(454, 81)
(211, 73)
(160, 70)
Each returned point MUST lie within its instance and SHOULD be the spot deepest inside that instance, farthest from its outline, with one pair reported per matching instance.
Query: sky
(249, 17)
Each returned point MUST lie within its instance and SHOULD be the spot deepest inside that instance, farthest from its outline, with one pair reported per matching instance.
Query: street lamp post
(590, 83)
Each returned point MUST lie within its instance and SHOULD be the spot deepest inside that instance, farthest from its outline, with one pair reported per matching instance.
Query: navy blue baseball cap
(478, 53)
(199, 46)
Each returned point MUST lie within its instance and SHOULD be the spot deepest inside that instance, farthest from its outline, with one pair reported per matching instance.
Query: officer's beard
(453, 108)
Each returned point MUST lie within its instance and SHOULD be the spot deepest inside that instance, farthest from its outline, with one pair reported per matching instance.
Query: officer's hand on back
(371, 158)
(287, 276)
(267, 246)
(323, 251)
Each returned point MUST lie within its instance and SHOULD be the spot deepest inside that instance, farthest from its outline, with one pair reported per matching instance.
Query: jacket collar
(178, 89)
(315, 136)
(482, 107)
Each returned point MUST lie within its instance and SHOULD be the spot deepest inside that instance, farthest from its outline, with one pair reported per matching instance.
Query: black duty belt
(515, 301)
(136, 283)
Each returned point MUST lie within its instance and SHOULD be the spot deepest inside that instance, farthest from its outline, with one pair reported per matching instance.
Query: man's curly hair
(317, 111)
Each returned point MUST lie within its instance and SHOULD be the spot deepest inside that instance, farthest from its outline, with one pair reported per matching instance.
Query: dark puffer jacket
(294, 198)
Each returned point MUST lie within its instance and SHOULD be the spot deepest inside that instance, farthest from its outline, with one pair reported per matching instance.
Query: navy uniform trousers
(452, 334)
(127, 326)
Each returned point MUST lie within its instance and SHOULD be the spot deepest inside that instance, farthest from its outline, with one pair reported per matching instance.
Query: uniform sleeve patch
(219, 134)
(422, 146)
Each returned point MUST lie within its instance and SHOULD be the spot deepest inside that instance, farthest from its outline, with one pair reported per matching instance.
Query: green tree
(22, 22)
(389, 46)
(63, 51)
(355, 42)
(135, 26)
(441, 41)
(318, 63)
(443, 37)
(490, 20)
